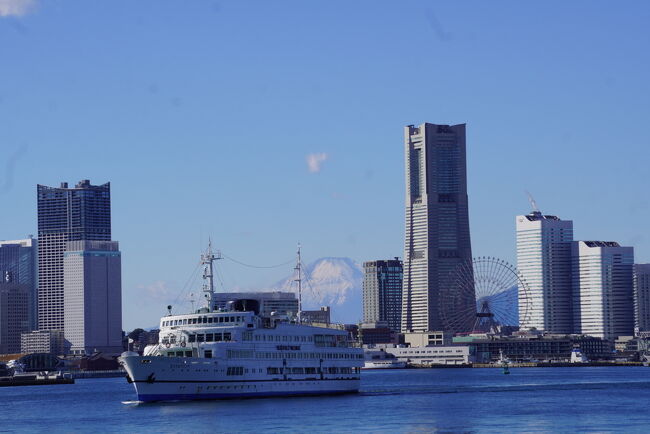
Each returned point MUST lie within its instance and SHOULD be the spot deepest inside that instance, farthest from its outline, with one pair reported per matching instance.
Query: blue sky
(202, 116)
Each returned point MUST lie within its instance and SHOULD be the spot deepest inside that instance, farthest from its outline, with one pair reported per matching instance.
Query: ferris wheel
(484, 294)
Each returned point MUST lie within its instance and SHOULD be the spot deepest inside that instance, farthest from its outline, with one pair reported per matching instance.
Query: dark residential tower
(437, 238)
(382, 292)
(18, 266)
(66, 214)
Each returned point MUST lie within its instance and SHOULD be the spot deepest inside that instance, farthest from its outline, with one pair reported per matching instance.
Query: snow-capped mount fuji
(334, 282)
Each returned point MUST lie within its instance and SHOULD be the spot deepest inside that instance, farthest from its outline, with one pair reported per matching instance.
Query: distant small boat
(578, 357)
(379, 359)
(36, 379)
(505, 362)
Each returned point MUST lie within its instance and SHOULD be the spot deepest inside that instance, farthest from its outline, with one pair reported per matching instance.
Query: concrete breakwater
(33, 381)
(97, 374)
(527, 365)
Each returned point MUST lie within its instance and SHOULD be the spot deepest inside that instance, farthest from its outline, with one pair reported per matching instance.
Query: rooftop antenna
(299, 280)
(208, 274)
(533, 204)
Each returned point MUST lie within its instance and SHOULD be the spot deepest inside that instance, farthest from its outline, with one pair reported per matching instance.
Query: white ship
(578, 357)
(379, 359)
(237, 353)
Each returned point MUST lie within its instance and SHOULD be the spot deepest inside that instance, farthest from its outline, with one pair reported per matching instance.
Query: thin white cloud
(159, 291)
(16, 8)
(315, 161)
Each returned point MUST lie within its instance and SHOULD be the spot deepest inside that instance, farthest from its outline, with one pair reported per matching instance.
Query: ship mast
(207, 259)
(299, 280)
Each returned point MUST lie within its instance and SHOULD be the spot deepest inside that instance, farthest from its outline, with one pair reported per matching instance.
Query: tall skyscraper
(437, 237)
(93, 297)
(544, 261)
(18, 265)
(642, 297)
(603, 289)
(382, 292)
(66, 214)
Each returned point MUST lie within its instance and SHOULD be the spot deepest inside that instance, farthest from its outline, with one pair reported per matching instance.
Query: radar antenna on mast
(208, 274)
(299, 280)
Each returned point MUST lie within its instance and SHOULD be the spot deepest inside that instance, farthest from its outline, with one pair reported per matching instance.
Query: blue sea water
(607, 399)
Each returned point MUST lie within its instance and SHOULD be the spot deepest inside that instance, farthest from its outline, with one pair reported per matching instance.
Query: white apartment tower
(603, 289)
(544, 261)
(92, 296)
(642, 297)
(437, 237)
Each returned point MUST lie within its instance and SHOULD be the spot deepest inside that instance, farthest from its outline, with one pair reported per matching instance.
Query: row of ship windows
(181, 354)
(248, 354)
(207, 337)
(319, 340)
(203, 320)
(239, 370)
(247, 336)
(234, 354)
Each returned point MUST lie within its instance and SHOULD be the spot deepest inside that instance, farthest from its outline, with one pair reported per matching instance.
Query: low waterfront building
(35, 362)
(427, 339)
(540, 348)
(643, 342)
(440, 355)
(282, 303)
(377, 333)
(43, 341)
(321, 316)
(626, 344)
(99, 362)
(138, 339)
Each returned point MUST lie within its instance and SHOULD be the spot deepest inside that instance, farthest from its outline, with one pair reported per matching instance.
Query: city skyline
(199, 147)
(391, 216)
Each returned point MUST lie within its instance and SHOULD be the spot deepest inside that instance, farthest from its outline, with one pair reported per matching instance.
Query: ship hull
(385, 365)
(183, 391)
(167, 379)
